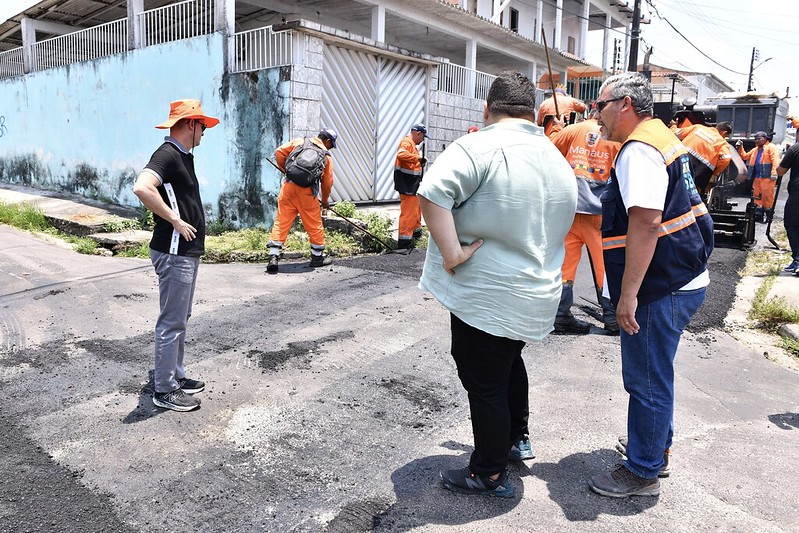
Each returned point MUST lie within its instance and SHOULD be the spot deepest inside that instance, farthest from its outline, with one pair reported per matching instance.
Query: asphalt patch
(299, 351)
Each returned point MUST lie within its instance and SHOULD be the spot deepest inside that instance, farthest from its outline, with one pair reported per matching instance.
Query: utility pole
(635, 36)
(755, 57)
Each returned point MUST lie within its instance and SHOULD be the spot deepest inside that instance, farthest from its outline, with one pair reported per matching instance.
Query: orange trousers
(410, 216)
(764, 189)
(586, 230)
(294, 200)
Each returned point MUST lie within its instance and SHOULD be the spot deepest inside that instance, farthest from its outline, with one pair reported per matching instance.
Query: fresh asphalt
(332, 403)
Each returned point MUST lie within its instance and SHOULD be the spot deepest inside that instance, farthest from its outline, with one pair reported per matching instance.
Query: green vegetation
(121, 224)
(23, 216)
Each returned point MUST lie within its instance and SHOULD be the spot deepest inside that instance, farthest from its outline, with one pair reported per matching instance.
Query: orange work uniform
(709, 151)
(763, 172)
(591, 158)
(407, 162)
(294, 199)
(566, 105)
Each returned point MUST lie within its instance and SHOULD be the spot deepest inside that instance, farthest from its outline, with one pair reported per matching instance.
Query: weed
(23, 216)
(141, 251)
(345, 209)
(771, 312)
(82, 245)
(121, 224)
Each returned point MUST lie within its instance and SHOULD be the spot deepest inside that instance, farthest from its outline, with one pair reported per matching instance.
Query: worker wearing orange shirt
(302, 198)
(762, 161)
(591, 158)
(407, 177)
(566, 105)
(708, 149)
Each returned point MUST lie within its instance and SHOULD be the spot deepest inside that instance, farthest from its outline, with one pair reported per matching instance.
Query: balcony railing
(11, 63)
(462, 81)
(183, 20)
(84, 45)
(262, 48)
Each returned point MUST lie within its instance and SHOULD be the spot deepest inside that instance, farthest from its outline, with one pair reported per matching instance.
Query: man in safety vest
(591, 158)
(303, 199)
(763, 161)
(708, 149)
(566, 106)
(408, 169)
(657, 236)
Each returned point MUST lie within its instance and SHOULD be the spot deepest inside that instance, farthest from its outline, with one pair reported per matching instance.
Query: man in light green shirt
(498, 204)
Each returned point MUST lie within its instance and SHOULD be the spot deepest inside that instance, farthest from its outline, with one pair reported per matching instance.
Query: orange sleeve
(408, 155)
(283, 152)
(775, 159)
(579, 106)
(723, 157)
(563, 139)
(327, 178)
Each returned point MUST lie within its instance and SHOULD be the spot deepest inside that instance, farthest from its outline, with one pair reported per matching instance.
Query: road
(332, 403)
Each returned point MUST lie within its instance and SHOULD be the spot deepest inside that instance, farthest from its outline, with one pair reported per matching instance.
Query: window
(571, 45)
(514, 20)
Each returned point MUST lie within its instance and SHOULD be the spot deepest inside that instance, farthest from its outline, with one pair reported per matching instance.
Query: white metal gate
(372, 102)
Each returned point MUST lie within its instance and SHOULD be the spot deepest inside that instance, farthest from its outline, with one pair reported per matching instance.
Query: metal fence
(262, 48)
(11, 63)
(84, 45)
(177, 21)
(455, 79)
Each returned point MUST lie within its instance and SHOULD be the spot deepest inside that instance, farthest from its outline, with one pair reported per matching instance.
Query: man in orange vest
(591, 158)
(566, 105)
(708, 149)
(407, 177)
(303, 198)
(763, 161)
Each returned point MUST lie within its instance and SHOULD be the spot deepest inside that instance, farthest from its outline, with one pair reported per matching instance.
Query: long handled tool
(551, 79)
(350, 222)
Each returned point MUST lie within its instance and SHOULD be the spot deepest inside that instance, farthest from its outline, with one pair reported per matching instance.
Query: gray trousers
(177, 277)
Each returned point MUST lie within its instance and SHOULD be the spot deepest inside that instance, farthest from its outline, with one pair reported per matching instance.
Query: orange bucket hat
(187, 108)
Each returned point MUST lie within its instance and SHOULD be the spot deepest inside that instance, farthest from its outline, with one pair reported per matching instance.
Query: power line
(689, 41)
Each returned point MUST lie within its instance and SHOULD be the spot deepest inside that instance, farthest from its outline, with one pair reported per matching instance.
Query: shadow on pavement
(567, 481)
(145, 409)
(422, 499)
(785, 420)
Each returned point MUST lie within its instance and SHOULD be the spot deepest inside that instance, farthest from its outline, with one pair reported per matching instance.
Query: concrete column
(539, 21)
(584, 29)
(606, 41)
(558, 26)
(28, 30)
(626, 48)
(532, 72)
(134, 27)
(379, 24)
(225, 23)
(470, 62)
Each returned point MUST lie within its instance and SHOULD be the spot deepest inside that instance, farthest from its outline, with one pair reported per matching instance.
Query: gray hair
(634, 85)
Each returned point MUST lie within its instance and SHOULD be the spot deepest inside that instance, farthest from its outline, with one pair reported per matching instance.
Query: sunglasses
(202, 126)
(602, 104)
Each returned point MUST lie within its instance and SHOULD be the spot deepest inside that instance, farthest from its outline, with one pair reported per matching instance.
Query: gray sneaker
(621, 447)
(177, 400)
(621, 483)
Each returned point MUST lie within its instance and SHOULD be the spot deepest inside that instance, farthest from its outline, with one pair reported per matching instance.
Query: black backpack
(305, 164)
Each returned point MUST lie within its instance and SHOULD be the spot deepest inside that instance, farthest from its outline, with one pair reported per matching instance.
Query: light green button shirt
(509, 185)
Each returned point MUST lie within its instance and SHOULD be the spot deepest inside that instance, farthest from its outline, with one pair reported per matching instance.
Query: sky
(725, 30)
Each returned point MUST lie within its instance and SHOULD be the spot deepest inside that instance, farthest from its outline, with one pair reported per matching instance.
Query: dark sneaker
(792, 267)
(521, 450)
(417, 234)
(320, 261)
(621, 483)
(572, 325)
(177, 400)
(271, 266)
(464, 481)
(404, 244)
(191, 386)
(612, 327)
(621, 447)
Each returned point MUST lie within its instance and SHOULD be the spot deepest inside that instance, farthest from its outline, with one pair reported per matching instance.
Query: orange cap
(187, 108)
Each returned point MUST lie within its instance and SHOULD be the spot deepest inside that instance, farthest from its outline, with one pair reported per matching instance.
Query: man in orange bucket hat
(168, 187)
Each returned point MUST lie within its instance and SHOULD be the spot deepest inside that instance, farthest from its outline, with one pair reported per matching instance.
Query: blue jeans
(647, 363)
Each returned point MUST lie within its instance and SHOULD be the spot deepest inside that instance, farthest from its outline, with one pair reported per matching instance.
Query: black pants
(791, 223)
(492, 371)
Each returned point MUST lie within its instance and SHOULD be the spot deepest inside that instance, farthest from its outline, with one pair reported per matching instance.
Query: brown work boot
(621, 483)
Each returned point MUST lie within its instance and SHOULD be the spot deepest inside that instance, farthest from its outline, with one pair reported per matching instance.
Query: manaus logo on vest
(687, 176)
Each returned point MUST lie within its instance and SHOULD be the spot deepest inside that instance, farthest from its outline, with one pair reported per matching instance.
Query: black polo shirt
(181, 191)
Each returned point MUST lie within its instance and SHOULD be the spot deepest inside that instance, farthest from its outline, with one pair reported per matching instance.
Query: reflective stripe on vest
(666, 228)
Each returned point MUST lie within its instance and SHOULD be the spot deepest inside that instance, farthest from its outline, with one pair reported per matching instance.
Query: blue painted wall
(88, 127)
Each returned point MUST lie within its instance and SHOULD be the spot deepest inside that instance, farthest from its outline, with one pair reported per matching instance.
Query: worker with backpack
(308, 170)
